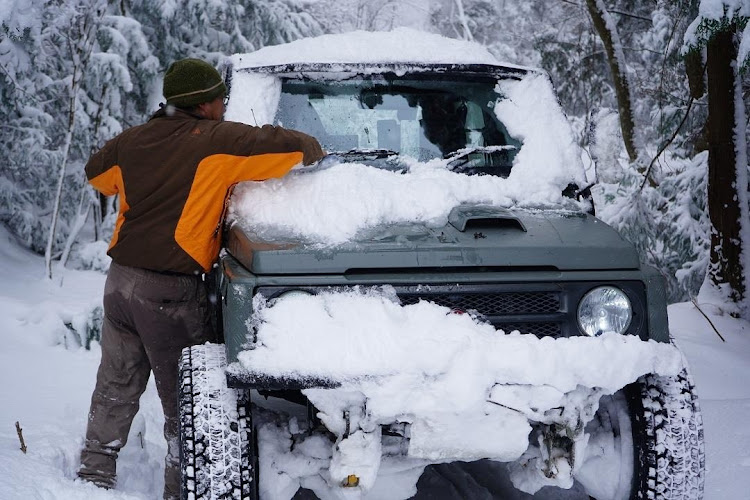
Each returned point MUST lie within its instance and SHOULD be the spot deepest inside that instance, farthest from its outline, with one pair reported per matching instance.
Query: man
(173, 175)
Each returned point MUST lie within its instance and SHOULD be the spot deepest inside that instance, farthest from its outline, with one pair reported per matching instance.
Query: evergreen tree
(211, 30)
(339, 16)
(66, 82)
(76, 73)
(25, 122)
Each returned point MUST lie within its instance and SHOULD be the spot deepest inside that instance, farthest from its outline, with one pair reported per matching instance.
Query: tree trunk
(695, 69)
(464, 21)
(607, 30)
(724, 209)
(82, 215)
(80, 42)
(61, 178)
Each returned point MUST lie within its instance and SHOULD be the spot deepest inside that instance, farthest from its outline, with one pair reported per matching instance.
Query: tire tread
(215, 429)
(672, 455)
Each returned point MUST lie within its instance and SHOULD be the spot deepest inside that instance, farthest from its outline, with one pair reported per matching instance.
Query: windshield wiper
(351, 156)
(359, 154)
(481, 160)
(461, 154)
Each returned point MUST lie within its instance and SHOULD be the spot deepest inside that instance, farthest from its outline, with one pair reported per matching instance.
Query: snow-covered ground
(46, 387)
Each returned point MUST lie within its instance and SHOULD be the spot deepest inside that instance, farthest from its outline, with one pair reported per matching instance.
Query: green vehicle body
(569, 255)
(481, 250)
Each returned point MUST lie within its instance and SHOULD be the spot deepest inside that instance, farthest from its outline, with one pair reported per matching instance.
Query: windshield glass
(419, 118)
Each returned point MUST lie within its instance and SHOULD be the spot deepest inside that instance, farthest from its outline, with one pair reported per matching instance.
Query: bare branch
(666, 145)
(19, 431)
(627, 14)
(612, 11)
(464, 21)
(695, 303)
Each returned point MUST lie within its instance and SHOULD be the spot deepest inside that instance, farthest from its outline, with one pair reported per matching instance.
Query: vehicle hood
(475, 236)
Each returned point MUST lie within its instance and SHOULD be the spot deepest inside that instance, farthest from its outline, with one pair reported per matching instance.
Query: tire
(668, 435)
(656, 431)
(218, 453)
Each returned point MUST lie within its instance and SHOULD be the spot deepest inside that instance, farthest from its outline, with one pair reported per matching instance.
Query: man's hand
(311, 150)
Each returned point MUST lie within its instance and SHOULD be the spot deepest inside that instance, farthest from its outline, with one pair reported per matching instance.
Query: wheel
(671, 451)
(652, 434)
(218, 456)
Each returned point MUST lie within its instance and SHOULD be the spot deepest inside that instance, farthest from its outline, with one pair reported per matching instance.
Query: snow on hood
(332, 205)
(402, 45)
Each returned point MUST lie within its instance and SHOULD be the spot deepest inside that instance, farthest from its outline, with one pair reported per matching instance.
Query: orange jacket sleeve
(103, 172)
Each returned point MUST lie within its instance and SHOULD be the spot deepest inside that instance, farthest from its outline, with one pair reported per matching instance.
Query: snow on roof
(402, 45)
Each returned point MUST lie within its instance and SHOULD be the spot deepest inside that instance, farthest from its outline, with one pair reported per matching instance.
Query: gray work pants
(149, 318)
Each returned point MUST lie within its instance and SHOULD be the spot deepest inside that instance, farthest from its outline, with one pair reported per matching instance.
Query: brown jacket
(173, 175)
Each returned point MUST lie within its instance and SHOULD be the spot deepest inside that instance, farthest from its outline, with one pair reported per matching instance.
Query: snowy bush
(667, 223)
(92, 256)
(85, 327)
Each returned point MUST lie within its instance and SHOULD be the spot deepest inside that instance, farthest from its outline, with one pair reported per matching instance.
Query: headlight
(604, 309)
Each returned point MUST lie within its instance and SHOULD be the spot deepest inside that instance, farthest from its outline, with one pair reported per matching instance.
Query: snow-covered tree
(339, 16)
(67, 80)
(69, 40)
(722, 29)
(607, 30)
(24, 122)
(212, 29)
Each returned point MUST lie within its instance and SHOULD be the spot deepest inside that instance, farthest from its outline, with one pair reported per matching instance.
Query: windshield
(410, 116)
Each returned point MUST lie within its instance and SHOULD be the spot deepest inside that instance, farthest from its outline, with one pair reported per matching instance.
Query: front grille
(538, 329)
(492, 304)
(537, 311)
(544, 309)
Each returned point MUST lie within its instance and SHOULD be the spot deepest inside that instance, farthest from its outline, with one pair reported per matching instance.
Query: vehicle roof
(344, 70)
(401, 50)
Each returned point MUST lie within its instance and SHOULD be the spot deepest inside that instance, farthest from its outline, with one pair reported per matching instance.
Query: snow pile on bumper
(467, 390)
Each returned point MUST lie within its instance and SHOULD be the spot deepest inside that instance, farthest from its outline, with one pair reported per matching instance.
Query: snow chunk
(332, 204)
(378, 339)
(257, 103)
(467, 390)
(402, 45)
(550, 156)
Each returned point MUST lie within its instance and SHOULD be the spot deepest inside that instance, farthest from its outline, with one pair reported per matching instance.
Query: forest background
(74, 73)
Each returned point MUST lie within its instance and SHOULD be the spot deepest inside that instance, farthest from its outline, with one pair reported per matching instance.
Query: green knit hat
(189, 82)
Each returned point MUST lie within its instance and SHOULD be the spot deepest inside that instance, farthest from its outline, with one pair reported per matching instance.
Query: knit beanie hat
(189, 82)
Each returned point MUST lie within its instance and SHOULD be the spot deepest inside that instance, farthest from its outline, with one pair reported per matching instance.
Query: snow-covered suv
(432, 311)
